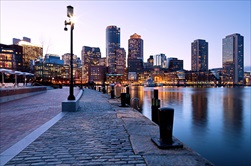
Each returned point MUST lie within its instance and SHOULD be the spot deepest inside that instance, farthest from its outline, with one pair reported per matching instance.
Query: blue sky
(166, 27)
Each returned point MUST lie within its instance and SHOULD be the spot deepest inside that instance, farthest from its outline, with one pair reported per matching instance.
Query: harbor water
(215, 122)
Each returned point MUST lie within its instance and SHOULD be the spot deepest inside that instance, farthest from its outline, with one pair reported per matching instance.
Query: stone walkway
(93, 136)
(19, 118)
(103, 133)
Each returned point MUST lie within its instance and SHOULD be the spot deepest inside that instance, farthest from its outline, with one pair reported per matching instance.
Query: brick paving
(19, 118)
(92, 136)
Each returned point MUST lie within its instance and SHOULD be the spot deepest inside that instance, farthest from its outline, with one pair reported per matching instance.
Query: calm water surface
(214, 122)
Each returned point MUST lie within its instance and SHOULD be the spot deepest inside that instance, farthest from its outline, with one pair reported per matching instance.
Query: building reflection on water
(233, 112)
(213, 121)
(199, 100)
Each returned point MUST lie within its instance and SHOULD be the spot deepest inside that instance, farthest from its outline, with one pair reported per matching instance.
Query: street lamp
(71, 23)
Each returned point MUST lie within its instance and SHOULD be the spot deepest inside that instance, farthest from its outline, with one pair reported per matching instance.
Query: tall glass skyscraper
(135, 53)
(232, 59)
(112, 44)
(199, 55)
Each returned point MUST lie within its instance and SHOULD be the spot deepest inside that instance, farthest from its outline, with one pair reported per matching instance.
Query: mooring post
(112, 91)
(165, 140)
(128, 98)
(123, 99)
(155, 106)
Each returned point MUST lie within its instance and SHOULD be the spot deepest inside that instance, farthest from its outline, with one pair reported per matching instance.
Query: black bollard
(166, 124)
(155, 107)
(155, 112)
(128, 98)
(99, 88)
(123, 100)
(103, 89)
(166, 141)
(112, 92)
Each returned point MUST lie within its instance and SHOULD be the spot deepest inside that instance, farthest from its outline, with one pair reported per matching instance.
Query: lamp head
(69, 11)
(65, 28)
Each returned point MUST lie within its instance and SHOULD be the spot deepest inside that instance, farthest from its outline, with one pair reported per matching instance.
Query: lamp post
(71, 23)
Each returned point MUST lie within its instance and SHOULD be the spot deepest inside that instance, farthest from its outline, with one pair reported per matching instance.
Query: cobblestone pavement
(19, 118)
(92, 136)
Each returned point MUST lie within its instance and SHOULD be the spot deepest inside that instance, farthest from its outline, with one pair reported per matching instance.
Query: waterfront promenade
(101, 133)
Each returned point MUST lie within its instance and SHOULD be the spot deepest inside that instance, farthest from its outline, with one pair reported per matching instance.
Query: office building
(233, 59)
(199, 55)
(120, 61)
(160, 60)
(135, 53)
(174, 64)
(49, 69)
(90, 57)
(112, 44)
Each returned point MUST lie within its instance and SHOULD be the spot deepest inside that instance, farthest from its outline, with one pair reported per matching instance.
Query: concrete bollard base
(163, 145)
(72, 105)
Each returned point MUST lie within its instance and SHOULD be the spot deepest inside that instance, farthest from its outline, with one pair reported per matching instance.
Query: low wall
(10, 94)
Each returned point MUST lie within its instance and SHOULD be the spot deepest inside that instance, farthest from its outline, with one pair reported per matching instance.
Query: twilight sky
(166, 26)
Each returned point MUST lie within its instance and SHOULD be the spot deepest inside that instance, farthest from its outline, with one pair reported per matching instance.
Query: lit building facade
(160, 60)
(232, 59)
(67, 63)
(174, 64)
(50, 69)
(7, 57)
(30, 52)
(120, 61)
(90, 57)
(112, 44)
(199, 55)
(135, 53)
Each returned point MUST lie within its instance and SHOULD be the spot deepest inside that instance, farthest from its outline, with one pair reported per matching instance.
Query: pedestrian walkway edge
(8, 154)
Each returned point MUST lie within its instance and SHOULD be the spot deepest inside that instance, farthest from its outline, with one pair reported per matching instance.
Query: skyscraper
(112, 44)
(90, 57)
(135, 53)
(199, 55)
(120, 61)
(232, 58)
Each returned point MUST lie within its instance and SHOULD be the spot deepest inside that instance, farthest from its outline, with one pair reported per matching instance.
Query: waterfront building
(199, 55)
(67, 59)
(150, 60)
(49, 69)
(18, 58)
(160, 60)
(112, 44)
(7, 57)
(90, 57)
(120, 61)
(135, 54)
(30, 52)
(233, 59)
(174, 64)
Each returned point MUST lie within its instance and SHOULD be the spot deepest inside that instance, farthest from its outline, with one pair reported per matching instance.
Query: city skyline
(167, 27)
